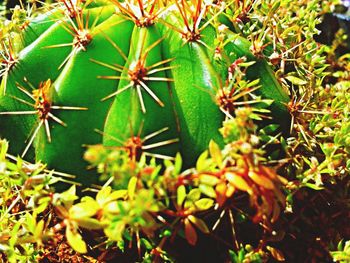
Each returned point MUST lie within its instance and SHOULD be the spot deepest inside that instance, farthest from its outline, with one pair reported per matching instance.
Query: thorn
(159, 156)
(153, 134)
(138, 89)
(117, 92)
(56, 119)
(47, 129)
(151, 93)
(110, 136)
(159, 144)
(32, 139)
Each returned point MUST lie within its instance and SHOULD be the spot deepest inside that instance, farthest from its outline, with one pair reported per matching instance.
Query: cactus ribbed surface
(139, 74)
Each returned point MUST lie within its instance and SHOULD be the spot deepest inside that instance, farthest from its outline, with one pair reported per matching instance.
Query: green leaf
(178, 164)
(269, 129)
(41, 208)
(3, 149)
(188, 205)
(75, 240)
(233, 256)
(275, 6)
(247, 64)
(115, 231)
(252, 83)
(146, 243)
(313, 186)
(31, 222)
(14, 234)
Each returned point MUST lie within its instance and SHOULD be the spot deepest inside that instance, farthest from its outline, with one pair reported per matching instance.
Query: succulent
(151, 77)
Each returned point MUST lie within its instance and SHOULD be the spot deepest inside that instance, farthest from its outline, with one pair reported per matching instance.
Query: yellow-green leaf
(68, 197)
(112, 207)
(75, 240)
(39, 230)
(85, 209)
(207, 190)
(115, 231)
(204, 203)
(202, 161)
(89, 223)
(178, 163)
(208, 179)
(103, 195)
(296, 80)
(199, 223)
(119, 194)
(42, 207)
(215, 153)
(181, 195)
(132, 187)
(194, 194)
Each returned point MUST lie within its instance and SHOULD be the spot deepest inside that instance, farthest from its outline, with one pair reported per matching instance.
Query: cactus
(146, 76)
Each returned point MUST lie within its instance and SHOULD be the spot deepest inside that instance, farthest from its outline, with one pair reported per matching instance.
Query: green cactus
(140, 75)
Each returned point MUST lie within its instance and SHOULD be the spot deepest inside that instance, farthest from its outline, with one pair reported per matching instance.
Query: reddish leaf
(238, 182)
(190, 233)
(275, 212)
(261, 180)
(199, 223)
(221, 193)
(276, 254)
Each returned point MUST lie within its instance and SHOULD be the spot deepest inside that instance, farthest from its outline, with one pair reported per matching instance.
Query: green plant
(343, 252)
(153, 77)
